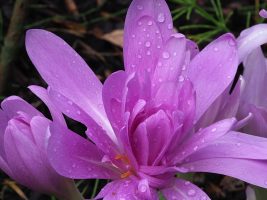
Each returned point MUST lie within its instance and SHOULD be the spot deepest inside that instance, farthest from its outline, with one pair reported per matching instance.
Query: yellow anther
(126, 174)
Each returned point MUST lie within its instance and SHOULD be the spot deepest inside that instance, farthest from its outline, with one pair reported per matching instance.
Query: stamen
(126, 174)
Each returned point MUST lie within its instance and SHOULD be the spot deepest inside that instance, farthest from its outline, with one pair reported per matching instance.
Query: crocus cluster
(171, 111)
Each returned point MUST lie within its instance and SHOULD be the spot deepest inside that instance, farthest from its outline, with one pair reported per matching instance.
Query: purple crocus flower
(141, 122)
(24, 134)
(254, 94)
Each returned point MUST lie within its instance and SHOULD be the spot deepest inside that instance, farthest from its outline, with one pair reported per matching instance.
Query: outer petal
(75, 157)
(3, 125)
(12, 105)
(251, 39)
(234, 145)
(207, 67)
(251, 171)
(24, 160)
(225, 106)
(141, 48)
(94, 131)
(66, 72)
(201, 139)
(255, 76)
(43, 95)
(184, 190)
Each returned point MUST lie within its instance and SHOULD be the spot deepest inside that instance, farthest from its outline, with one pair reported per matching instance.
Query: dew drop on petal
(148, 44)
(165, 55)
(181, 78)
(238, 144)
(161, 17)
(140, 7)
(149, 23)
(216, 49)
(191, 192)
(187, 183)
(214, 129)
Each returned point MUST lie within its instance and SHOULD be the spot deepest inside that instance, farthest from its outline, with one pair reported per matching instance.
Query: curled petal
(251, 39)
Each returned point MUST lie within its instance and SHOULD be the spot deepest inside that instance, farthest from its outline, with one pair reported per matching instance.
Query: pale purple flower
(254, 94)
(141, 122)
(24, 134)
(263, 13)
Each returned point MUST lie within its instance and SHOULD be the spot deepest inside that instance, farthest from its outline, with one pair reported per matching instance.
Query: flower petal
(12, 105)
(43, 95)
(94, 131)
(257, 125)
(112, 98)
(141, 46)
(126, 189)
(250, 39)
(156, 9)
(201, 139)
(184, 190)
(170, 60)
(234, 145)
(255, 76)
(75, 157)
(207, 67)
(66, 72)
(238, 168)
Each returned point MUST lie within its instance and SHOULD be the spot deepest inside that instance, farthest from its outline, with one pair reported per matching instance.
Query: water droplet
(195, 148)
(148, 44)
(229, 77)
(160, 64)
(216, 49)
(58, 95)
(139, 23)
(214, 129)
(187, 183)
(165, 55)
(70, 102)
(144, 29)
(161, 17)
(149, 23)
(174, 53)
(67, 111)
(265, 182)
(73, 165)
(142, 188)
(181, 78)
(140, 7)
(133, 36)
(160, 80)
(148, 53)
(191, 192)
(78, 112)
(133, 66)
(139, 56)
(158, 46)
(238, 144)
